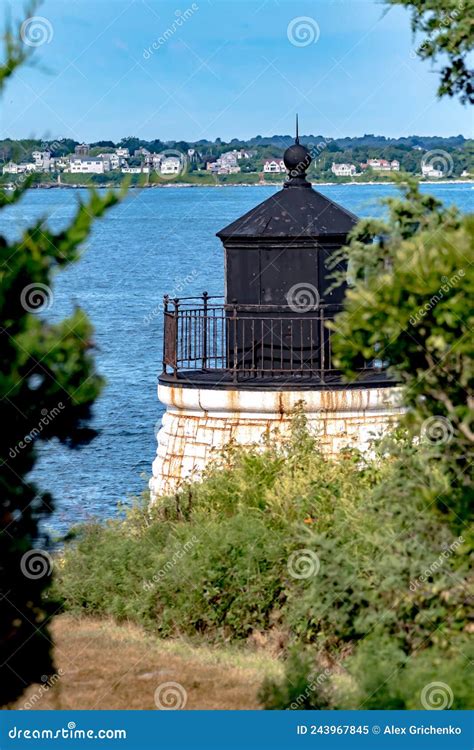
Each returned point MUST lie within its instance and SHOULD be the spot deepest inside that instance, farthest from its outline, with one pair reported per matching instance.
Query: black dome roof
(295, 211)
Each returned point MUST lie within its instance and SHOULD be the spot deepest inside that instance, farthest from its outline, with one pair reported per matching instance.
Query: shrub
(378, 675)
(409, 306)
(226, 559)
(218, 577)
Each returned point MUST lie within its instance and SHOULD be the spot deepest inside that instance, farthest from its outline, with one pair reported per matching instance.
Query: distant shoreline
(171, 184)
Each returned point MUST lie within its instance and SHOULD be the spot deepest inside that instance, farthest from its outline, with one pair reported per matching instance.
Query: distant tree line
(408, 151)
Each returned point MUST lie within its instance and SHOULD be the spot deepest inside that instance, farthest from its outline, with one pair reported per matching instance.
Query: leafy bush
(386, 676)
(379, 675)
(218, 561)
(409, 305)
(218, 577)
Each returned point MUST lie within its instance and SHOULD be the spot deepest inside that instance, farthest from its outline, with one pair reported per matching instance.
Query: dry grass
(108, 666)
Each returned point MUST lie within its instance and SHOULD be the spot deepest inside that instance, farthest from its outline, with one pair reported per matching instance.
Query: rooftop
(295, 211)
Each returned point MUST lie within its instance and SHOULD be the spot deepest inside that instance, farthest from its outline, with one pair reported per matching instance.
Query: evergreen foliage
(47, 384)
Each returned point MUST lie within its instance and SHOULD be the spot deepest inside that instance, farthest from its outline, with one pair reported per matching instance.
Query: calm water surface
(156, 242)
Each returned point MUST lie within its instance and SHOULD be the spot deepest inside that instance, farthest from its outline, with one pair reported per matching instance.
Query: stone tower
(236, 367)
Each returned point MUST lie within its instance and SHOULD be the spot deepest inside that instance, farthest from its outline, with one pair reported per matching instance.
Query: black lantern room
(270, 330)
(284, 243)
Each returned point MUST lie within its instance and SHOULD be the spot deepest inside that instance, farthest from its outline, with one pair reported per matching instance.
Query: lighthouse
(236, 367)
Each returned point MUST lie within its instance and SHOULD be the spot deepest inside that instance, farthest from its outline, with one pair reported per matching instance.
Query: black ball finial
(297, 159)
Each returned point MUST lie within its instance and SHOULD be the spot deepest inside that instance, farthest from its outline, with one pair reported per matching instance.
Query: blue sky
(232, 68)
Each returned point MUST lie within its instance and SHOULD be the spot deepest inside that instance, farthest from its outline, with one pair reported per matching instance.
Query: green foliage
(215, 561)
(409, 305)
(373, 242)
(219, 578)
(48, 384)
(378, 675)
(385, 675)
(449, 28)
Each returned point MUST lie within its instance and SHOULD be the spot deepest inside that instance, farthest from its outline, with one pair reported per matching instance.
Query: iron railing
(241, 342)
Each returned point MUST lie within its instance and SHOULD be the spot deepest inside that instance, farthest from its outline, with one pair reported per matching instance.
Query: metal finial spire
(297, 139)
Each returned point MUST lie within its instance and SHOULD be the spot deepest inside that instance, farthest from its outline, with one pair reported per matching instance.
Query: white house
(382, 165)
(171, 165)
(42, 160)
(274, 166)
(13, 168)
(427, 170)
(229, 159)
(225, 164)
(106, 161)
(86, 165)
(62, 162)
(343, 170)
(122, 153)
(111, 161)
(153, 160)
